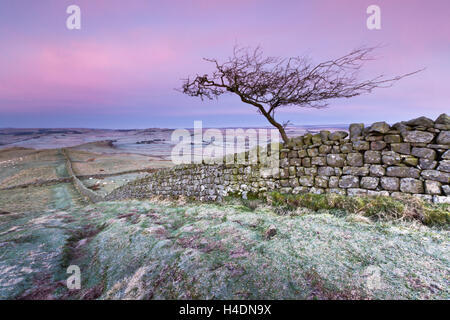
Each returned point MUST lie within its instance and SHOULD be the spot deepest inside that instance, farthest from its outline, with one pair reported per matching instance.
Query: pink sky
(121, 68)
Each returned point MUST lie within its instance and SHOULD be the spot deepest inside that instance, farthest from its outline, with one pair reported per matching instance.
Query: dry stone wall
(81, 188)
(410, 157)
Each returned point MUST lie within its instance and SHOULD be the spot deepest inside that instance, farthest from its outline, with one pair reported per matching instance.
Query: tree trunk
(283, 135)
(275, 124)
(267, 115)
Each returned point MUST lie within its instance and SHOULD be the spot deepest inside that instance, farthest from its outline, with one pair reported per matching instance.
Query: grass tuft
(375, 208)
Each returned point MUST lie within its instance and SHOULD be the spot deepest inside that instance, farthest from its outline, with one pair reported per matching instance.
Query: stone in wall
(356, 130)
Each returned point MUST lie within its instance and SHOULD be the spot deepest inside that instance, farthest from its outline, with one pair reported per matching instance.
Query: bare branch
(269, 83)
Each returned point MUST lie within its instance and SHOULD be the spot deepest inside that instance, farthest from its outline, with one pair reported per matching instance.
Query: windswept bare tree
(269, 83)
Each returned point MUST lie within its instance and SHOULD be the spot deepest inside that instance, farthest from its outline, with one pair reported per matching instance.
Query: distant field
(39, 199)
(31, 199)
(20, 166)
(25, 166)
(89, 163)
(28, 176)
(104, 185)
(9, 154)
